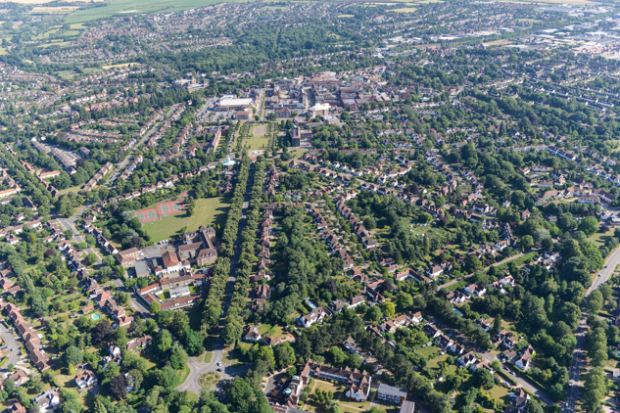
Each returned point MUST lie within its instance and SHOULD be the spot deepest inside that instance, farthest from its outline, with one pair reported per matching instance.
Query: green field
(121, 7)
(208, 212)
(256, 143)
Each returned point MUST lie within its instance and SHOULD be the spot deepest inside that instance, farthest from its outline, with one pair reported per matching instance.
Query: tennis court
(172, 207)
(147, 215)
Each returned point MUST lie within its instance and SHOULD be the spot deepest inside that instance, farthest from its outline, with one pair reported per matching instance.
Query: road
(227, 372)
(579, 354)
(523, 382)
(11, 343)
(69, 223)
(134, 301)
(121, 166)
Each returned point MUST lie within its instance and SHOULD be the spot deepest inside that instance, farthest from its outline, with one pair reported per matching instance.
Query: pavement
(579, 354)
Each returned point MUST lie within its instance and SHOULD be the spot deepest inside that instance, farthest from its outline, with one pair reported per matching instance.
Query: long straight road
(227, 372)
(579, 355)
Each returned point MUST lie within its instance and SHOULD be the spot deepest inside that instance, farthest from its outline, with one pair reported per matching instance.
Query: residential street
(197, 368)
(69, 223)
(579, 355)
(11, 343)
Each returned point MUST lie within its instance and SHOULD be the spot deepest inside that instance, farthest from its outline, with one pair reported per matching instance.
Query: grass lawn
(336, 389)
(166, 294)
(271, 331)
(434, 362)
(183, 373)
(428, 351)
(351, 406)
(208, 212)
(207, 357)
(599, 238)
(75, 189)
(67, 381)
(257, 142)
(209, 379)
(498, 393)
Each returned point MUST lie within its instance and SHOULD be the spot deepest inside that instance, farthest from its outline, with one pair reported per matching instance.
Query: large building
(231, 102)
(199, 247)
(128, 257)
(174, 293)
(357, 381)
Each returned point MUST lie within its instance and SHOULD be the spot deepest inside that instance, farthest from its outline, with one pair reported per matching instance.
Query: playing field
(207, 212)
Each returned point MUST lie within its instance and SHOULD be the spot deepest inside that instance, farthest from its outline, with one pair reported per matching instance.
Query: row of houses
(32, 341)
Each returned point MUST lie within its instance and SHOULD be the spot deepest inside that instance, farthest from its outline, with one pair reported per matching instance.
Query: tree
(472, 263)
(165, 341)
(90, 258)
(193, 342)
(102, 332)
(404, 301)
(526, 243)
(118, 386)
(338, 355)
(333, 407)
(73, 356)
(154, 307)
(389, 309)
(606, 291)
(589, 225)
(374, 313)
(595, 302)
(534, 406)
(190, 206)
(134, 379)
(484, 379)
(284, 355)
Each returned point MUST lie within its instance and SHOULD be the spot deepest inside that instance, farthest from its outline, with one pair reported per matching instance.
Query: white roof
(321, 106)
(236, 102)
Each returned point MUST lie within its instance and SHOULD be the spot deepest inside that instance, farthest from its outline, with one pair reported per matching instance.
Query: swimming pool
(95, 316)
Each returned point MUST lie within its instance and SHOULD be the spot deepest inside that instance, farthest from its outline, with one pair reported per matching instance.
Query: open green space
(257, 142)
(271, 331)
(209, 211)
(121, 7)
(209, 379)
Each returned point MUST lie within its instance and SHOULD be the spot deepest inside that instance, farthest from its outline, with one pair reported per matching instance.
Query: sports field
(208, 212)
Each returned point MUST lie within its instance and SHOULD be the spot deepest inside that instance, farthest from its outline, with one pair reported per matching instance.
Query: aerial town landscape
(313, 206)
